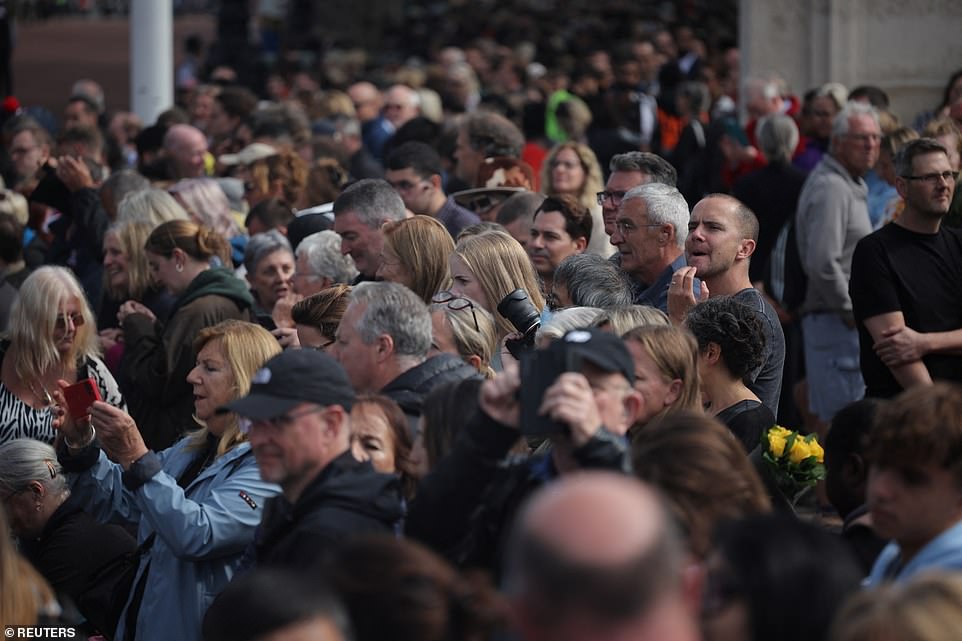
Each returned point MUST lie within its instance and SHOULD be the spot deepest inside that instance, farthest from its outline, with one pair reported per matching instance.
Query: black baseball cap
(293, 377)
(604, 350)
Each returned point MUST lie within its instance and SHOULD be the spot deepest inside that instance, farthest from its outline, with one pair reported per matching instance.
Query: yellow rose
(800, 451)
(776, 444)
(780, 431)
(817, 450)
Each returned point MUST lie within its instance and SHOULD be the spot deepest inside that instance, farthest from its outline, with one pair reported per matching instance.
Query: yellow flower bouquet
(796, 461)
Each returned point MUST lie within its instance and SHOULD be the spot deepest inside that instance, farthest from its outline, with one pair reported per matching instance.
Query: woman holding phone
(52, 336)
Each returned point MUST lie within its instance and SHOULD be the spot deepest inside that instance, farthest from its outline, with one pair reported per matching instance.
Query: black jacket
(409, 389)
(348, 497)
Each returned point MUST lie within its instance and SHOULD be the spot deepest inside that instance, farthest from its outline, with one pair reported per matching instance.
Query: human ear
(747, 248)
(674, 391)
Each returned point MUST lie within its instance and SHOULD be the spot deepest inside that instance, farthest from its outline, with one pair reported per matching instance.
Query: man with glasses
(650, 232)
(832, 216)
(297, 417)
(628, 171)
(905, 281)
(414, 170)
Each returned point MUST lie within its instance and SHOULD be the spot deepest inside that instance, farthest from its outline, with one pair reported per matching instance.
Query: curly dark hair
(734, 327)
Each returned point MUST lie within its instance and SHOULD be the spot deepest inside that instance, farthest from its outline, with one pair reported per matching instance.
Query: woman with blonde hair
(666, 372)
(925, 608)
(52, 337)
(571, 168)
(415, 254)
(186, 259)
(151, 206)
(195, 505)
(462, 327)
(489, 266)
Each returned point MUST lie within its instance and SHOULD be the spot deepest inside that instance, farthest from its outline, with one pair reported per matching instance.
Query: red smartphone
(80, 396)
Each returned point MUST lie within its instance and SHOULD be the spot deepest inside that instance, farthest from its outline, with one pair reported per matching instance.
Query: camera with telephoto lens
(524, 317)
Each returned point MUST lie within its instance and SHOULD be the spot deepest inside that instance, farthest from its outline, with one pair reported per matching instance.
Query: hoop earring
(179, 267)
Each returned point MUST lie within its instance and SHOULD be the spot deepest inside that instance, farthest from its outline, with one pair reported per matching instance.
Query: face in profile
(371, 437)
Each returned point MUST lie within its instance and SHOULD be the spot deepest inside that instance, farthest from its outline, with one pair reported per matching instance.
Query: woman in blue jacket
(196, 504)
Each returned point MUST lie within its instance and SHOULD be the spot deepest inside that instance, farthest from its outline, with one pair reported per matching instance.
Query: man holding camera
(591, 405)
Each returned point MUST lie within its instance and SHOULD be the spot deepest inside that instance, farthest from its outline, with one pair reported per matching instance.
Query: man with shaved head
(596, 555)
(185, 147)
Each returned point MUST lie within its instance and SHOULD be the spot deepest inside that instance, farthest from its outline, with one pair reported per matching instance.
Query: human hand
(681, 294)
(73, 431)
(110, 337)
(74, 173)
(499, 396)
(133, 307)
(571, 401)
(287, 337)
(901, 345)
(281, 314)
(118, 433)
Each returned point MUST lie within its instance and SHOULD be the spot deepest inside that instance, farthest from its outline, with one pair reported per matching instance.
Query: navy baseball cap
(291, 378)
(604, 350)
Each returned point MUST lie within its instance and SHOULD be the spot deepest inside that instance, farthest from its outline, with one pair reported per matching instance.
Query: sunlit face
(619, 183)
(636, 238)
(551, 243)
(213, 384)
(69, 319)
(567, 173)
(360, 242)
(391, 268)
(655, 389)
(465, 283)
(273, 277)
(187, 155)
(358, 358)
(115, 263)
(371, 437)
(289, 447)
(715, 240)
(857, 151)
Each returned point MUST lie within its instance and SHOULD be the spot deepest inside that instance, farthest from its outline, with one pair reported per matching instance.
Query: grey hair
(767, 87)
(851, 109)
(657, 168)
(372, 200)
(593, 281)
(777, 136)
(263, 245)
(395, 310)
(565, 320)
(665, 205)
(24, 460)
(322, 250)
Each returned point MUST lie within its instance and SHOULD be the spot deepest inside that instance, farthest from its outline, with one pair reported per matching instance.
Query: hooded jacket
(158, 357)
(348, 497)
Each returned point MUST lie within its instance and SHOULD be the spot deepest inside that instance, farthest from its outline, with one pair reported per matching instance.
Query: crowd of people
(481, 348)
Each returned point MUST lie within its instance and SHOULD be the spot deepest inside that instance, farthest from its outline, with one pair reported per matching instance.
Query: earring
(179, 267)
(39, 507)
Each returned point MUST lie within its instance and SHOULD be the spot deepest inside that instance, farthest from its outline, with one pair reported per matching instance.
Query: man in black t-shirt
(905, 284)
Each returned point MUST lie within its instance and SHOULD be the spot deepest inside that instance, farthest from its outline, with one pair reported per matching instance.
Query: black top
(748, 420)
(894, 269)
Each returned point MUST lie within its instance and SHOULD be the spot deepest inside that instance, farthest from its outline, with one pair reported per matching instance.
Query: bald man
(185, 148)
(596, 556)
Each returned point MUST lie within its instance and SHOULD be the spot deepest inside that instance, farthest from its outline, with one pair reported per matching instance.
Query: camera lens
(520, 312)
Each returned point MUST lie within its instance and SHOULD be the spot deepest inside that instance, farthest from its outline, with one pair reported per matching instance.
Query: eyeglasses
(76, 319)
(456, 303)
(323, 347)
(934, 178)
(614, 196)
(625, 227)
(863, 138)
(276, 423)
